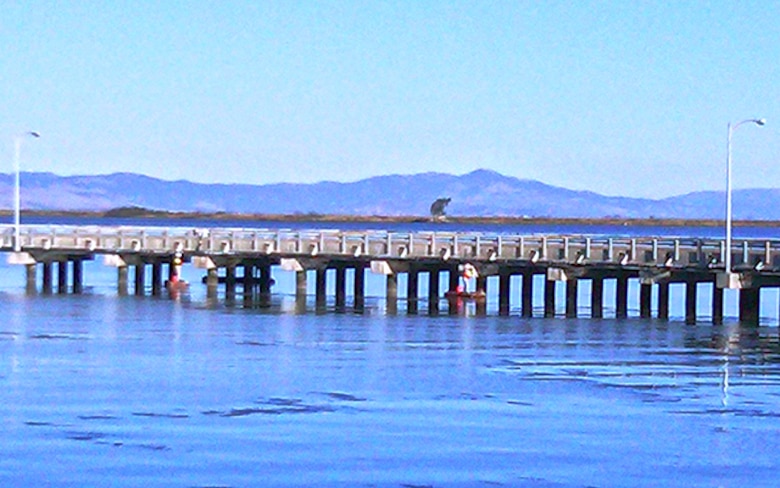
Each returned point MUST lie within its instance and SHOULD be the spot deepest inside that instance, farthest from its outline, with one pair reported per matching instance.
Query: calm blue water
(102, 390)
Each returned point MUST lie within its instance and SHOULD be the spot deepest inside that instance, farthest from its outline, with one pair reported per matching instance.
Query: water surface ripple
(101, 390)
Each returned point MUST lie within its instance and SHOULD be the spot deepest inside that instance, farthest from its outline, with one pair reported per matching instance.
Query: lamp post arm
(732, 128)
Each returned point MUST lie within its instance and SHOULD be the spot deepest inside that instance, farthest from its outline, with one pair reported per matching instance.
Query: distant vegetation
(130, 212)
(141, 212)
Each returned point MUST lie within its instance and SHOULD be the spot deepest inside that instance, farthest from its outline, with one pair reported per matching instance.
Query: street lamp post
(17, 187)
(732, 128)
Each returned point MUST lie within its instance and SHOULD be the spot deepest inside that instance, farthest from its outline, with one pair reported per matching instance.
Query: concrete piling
(597, 298)
(140, 278)
(412, 290)
(527, 304)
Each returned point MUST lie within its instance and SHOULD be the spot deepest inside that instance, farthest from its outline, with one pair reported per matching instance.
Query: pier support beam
(31, 285)
(481, 305)
(621, 297)
(597, 298)
(62, 277)
(359, 287)
(140, 279)
(749, 305)
(156, 278)
(321, 287)
(549, 298)
(47, 277)
(571, 298)
(121, 280)
(433, 291)
(454, 282)
(262, 286)
(212, 282)
(454, 277)
(78, 276)
(690, 302)
(341, 287)
(300, 284)
(717, 304)
(411, 290)
(663, 301)
(527, 299)
(300, 291)
(504, 292)
(391, 293)
(645, 298)
(230, 282)
(265, 280)
(248, 280)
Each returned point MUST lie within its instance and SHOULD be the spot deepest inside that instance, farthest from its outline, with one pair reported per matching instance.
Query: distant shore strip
(144, 213)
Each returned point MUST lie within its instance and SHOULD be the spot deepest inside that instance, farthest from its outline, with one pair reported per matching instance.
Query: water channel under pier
(527, 275)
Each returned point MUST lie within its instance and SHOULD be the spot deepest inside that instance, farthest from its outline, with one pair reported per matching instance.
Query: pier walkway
(245, 257)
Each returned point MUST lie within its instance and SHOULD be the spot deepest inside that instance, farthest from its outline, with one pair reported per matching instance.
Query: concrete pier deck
(570, 259)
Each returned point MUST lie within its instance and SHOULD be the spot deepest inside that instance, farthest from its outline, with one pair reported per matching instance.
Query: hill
(479, 193)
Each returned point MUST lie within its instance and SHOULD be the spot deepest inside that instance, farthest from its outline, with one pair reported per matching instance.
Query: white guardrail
(666, 251)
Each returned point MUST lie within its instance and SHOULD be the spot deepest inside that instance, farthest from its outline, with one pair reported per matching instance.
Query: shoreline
(138, 213)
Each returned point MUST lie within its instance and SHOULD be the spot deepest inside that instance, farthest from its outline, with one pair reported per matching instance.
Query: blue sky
(618, 97)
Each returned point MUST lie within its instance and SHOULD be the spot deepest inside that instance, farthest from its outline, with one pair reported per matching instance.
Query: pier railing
(463, 246)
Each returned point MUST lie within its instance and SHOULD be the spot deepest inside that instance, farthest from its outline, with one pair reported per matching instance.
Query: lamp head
(760, 121)
(35, 134)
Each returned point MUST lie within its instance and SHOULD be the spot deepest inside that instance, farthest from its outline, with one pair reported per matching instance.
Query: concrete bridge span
(569, 259)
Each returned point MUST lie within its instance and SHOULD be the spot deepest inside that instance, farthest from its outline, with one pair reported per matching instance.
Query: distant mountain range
(479, 193)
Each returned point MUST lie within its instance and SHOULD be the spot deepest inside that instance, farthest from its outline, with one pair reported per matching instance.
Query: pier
(247, 259)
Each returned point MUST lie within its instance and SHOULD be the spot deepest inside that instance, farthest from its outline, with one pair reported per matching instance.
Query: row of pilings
(254, 277)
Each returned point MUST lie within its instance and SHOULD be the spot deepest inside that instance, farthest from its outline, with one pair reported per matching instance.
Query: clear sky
(618, 97)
